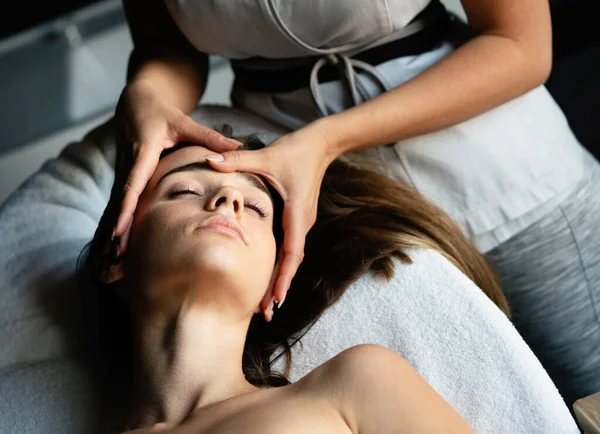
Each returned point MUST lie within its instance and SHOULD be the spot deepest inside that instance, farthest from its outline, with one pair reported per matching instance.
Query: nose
(229, 199)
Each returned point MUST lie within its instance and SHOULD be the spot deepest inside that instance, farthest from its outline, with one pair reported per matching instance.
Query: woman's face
(197, 227)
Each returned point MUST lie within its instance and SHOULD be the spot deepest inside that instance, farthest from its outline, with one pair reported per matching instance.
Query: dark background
(575, 78)
(18, 16)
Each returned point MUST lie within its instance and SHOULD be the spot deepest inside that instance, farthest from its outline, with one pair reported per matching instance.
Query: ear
(110, 267)
(113, 273)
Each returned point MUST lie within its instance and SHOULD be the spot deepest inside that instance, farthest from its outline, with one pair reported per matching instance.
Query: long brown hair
(364, 221)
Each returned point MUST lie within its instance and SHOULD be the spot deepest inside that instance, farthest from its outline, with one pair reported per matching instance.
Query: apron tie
(348, 71)
(341, 56)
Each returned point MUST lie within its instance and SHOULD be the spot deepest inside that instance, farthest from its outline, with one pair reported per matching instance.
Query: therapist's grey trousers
(551, 278)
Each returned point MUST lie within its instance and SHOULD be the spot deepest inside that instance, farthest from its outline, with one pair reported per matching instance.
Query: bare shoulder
(360, 363)
(361, 359)
(376, 390)
(353, 372)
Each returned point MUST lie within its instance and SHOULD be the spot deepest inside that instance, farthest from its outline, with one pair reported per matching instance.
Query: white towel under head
(453, 335)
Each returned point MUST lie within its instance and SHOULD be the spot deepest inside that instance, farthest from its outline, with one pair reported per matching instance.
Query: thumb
(241, 161)
(190, 131)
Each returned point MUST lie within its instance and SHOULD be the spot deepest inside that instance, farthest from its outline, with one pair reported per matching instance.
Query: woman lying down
(197, 334)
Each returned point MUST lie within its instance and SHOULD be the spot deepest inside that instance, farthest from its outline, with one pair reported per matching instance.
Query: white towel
(453, 335)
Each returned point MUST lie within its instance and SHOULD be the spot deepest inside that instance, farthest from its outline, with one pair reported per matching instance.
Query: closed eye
(183, 192)
(255, 206)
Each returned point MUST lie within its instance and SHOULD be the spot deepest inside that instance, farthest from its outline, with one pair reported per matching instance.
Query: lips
(226, 224)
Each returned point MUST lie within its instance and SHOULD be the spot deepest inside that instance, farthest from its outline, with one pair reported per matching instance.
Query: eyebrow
(254, 180)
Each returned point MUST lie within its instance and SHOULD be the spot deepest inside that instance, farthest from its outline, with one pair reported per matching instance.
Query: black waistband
(290, 78)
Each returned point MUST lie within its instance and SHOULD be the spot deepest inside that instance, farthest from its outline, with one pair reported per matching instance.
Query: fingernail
(231, 142)
(280, 302)
(123, 221)
(217, 158)
(112, 235)
(116, 252)
(124, 239)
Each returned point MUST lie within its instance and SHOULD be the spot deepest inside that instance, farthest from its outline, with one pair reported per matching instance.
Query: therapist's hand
(146, 126)
(294, 165)
(157, 428)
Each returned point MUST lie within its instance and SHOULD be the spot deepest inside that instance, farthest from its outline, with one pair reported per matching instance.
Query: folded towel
(453, 335)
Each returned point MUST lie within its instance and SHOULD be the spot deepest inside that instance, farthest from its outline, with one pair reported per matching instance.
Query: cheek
(263, 257)
(158, 240)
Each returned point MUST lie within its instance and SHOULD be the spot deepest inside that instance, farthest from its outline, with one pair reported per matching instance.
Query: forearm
(163, 57)
(177, 79)
(484, 73)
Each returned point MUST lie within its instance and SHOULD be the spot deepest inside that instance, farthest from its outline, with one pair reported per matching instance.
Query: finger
(267, 303)
(124, 240)
(241, 161)
(268, 312)
(293, 252)
(188, 130)
(268, 298)
(291, 262)
(159, 427)
(139, 175)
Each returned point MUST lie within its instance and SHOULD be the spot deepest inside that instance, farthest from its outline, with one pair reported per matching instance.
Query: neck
(188, 358)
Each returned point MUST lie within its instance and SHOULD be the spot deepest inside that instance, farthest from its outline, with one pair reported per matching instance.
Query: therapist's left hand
(294, 165)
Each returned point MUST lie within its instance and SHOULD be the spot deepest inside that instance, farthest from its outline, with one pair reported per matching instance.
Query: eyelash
(182, 191)
(255, 206)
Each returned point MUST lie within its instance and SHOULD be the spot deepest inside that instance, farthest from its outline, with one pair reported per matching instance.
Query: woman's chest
(284, 28)
(281, 413)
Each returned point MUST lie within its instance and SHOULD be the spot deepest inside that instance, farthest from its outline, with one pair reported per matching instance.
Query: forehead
(180, 157)
(191, 158)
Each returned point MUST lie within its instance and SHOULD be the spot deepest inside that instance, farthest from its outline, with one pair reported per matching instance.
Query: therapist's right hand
(146, 125)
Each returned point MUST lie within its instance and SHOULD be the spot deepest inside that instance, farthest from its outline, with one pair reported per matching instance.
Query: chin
(219, 260)
(226, 266)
